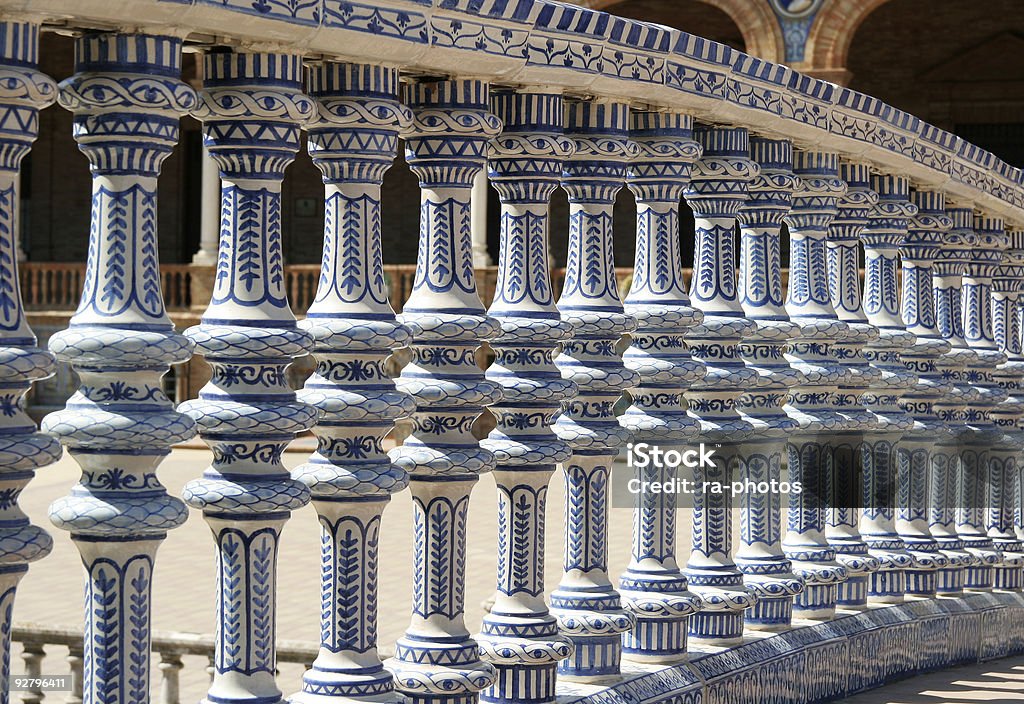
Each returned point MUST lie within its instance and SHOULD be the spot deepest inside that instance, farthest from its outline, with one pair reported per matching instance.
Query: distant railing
(171, 647)
(57, 286)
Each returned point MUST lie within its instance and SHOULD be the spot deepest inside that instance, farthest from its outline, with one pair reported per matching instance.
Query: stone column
(952, 407)
(436, 660)
(653, 588)
(882, 237)
(22, 449)
(251, 106)
(976, 458)
(353, 140)
(519, 636)
(586, 604)
(127, 100)
(209, 214)
(1007, 285)
(842, 518)
(813, 403)
(717, 191)
(767, 572)
(918, 252)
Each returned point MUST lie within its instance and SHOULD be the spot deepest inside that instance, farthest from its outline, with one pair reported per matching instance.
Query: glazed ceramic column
(436, 660)
(251, 106)
(812, 403)
(1007, 285)
(519, 636)
(843, 517)
(972, 503)
(588, 608)
(353, 140)
(717, 191)
(944, 481)
(918, 252)
(767, 572)
(882, 237)
(119, 426)
(22, 449)
(653, 588)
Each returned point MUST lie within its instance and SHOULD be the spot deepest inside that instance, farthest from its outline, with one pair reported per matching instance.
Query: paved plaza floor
(51, 593)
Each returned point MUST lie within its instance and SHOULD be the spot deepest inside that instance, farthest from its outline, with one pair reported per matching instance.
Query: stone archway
(762, 36)
(828, 42)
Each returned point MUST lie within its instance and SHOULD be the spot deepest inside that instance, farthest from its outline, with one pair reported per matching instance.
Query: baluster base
(770, 614)
(718, 628)
(1008, 578)
(921, 584)
(356, 685)
(438, 671)
(595, 659)
(853, 593)
(522, 684)
(887, 586)
(656, 640)
(525, 652)
(817, 602)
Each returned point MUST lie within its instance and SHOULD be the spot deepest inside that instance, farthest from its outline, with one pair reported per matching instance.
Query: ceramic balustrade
(952, 407)
(865, 387)
(767, 572)
(519, 636)
(653, 588)
(1007, 286)
(588, 608)
(437, 660)
(22, 449)
(849, 445)
(127, 98)
(918, 252)
(972, 503)
(881, 238)
(352, 139)
(813, 403)
(252, 107)
(716, 192)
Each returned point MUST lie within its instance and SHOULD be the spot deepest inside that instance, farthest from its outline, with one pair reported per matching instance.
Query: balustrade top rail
(585, 51)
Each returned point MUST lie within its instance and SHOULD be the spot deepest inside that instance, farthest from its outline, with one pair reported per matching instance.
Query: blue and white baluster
(127, 99)
(519, 636)
(251, 106)
(1007, 286)
(812, 403)
(437, 660)
(951, 407)
(22, 449)
(843, 517)
(587, 606)
(717, 191)
(653, 588)
(767, 572)
(352, 140)
(882, 237)
(972, 503)
(913, 464)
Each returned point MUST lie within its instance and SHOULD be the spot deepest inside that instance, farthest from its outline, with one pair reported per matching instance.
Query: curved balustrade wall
(907, 445)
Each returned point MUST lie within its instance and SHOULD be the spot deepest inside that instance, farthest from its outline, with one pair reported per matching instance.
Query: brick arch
(762, 35)
(828, 42)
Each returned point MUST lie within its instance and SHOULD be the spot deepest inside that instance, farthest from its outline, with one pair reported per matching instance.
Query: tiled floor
(991, 683)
